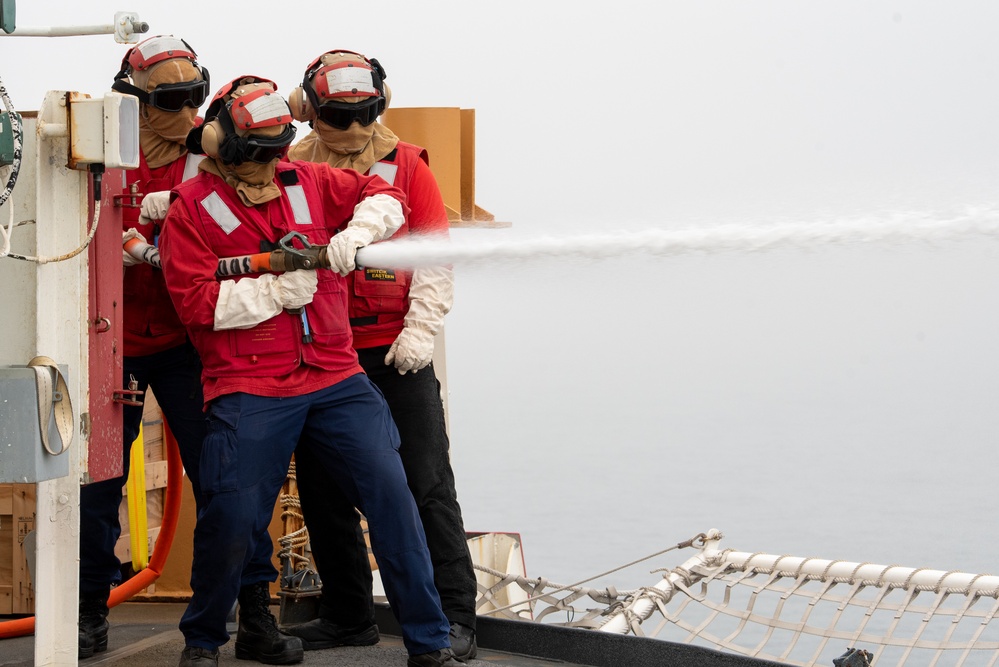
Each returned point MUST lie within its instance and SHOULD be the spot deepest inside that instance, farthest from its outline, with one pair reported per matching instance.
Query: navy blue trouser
(334, 526)
(347, 430)
(175, 378)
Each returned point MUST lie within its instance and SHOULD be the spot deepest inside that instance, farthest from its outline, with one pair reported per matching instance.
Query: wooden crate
(17, 519)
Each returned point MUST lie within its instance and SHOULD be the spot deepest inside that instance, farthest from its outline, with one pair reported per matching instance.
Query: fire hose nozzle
(299, 258)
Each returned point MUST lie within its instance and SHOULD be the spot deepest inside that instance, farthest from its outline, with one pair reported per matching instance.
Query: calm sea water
(835, 402)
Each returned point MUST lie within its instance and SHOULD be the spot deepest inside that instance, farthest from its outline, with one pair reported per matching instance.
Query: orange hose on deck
(17, 628)
(20, 627)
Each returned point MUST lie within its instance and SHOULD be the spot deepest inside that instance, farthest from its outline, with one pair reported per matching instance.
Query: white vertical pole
(62, 329)
(440, 369)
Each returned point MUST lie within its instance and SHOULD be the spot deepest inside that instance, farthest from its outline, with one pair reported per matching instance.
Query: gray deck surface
(145, 634)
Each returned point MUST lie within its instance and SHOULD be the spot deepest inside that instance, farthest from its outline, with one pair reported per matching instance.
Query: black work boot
(93, 625)
(441, 658)
(463, 642)
(320, 633)
(258, 637)
(194, 656)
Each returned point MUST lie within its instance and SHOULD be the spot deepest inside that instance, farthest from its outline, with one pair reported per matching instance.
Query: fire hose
(286, 257)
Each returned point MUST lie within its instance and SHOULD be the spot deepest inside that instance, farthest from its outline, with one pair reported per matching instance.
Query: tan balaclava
(253, 181)
(162, 133)
(358, 147)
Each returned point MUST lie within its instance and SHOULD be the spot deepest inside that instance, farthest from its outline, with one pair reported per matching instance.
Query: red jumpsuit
(269, 359)
(157, 355)
(379, 298)
(268, 395)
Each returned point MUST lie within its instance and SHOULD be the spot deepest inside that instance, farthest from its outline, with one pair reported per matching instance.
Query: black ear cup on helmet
(379, 70)
(231, 150)
(219, 140)
(193, 141)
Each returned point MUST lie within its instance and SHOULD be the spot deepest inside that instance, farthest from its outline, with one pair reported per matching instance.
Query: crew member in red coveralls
(279, 369)
(394, 316)
(163, 72)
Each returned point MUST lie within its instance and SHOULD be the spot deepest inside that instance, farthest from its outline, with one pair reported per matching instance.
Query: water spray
(902, 228)
(413, 251)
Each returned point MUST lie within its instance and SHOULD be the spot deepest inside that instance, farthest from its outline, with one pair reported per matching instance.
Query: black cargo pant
(334, 531)
(175, 377)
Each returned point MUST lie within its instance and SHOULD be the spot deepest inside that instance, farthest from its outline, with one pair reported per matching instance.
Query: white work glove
(127, 259)
(154, 207)
(243, 304)
(296, 288)
(412, 350)
(431, 294)
(375, 218)
(343, 247)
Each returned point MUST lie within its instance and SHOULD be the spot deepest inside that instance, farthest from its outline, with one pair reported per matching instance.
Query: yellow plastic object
(138, 532)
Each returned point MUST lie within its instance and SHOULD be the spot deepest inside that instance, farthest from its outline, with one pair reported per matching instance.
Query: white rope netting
(797, 611)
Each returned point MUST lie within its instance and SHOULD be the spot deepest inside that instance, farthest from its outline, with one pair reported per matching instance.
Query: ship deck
(145, 634)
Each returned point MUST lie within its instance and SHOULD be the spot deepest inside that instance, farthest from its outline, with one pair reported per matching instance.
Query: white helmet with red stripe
(341, 86)
(150, 51)
(245, 104)
(148, 54)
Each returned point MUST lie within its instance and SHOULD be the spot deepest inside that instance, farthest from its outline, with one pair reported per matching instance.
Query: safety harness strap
(53, 397)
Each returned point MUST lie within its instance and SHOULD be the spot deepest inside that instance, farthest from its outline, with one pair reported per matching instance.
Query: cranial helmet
(341, 87)
(150, 53)
(238, 123)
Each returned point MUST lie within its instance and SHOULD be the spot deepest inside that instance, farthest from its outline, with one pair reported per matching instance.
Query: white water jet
(901, 228)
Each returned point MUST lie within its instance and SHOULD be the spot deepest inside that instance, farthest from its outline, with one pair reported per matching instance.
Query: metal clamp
(122, 396)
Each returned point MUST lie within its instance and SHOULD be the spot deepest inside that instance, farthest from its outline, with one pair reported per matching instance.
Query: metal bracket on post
(130, 396)
(127, 27)
(131, 200)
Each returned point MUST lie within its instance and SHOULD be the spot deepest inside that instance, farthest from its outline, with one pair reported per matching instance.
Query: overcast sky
(691, 111)
(838, 391)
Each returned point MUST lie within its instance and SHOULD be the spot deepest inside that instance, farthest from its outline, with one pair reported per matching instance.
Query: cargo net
(795, 611)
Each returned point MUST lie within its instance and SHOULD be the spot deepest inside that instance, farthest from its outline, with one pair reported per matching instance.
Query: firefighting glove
(375, 218)
(126, 258)
(154, 207)
(245, 303)
(431, 294)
